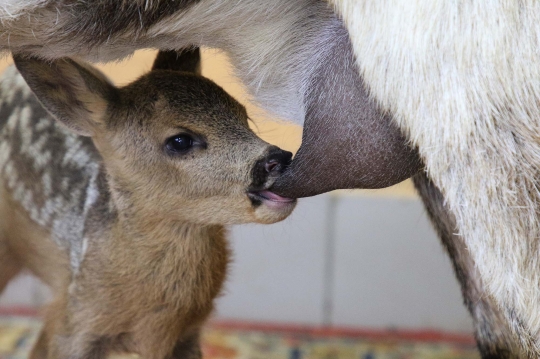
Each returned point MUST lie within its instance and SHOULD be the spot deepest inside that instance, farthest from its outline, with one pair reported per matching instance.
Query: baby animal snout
(276, 161)
(270, 207)
(271, 166)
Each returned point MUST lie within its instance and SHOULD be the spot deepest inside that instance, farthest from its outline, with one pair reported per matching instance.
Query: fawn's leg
(77, 346)
(9, 265)
(167, 344)
(51, 327)
(53, 324)
(188, 348)
(492, 333)
(65, 337)
(40, 349)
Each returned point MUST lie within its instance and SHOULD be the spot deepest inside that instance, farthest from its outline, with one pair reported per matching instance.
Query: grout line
(329, 262)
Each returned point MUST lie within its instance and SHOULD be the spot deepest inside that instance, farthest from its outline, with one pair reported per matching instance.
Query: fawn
(117, 198)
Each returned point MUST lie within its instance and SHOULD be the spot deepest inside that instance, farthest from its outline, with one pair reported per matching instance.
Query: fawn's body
(125, 220)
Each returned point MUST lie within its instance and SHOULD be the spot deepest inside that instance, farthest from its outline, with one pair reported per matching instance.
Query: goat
(118, 197)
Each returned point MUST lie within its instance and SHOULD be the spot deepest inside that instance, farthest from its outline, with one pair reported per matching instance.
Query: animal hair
(460, 78)
(279, 83)
(118, 199)
(11, 9)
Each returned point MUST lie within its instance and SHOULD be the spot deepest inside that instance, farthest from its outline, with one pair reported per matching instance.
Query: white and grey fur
(460, 79)
(47, 29)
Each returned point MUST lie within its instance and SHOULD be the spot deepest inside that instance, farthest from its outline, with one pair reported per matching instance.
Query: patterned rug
(228, 341)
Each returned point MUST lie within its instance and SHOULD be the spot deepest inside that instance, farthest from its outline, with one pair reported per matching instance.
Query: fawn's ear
(76, 94)
(187, 60)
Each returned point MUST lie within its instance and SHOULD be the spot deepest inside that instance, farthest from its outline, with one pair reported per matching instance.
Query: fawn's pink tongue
(274, 197)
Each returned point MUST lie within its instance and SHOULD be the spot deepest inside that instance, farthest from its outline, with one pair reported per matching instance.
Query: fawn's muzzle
(269, 168)
(264, 173)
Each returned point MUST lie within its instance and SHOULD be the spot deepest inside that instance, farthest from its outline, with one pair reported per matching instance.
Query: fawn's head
(174, 144)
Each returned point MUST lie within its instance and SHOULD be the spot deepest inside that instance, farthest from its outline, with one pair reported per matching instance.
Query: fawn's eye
(179, 143)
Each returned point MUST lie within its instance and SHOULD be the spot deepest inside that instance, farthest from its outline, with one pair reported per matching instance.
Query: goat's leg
(493, 335)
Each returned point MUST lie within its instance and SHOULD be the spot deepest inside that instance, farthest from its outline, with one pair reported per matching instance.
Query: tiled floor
(17, 335)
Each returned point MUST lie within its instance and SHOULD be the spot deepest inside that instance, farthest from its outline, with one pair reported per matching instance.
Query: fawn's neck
(184, 260)
(167, 269)
(150, 236)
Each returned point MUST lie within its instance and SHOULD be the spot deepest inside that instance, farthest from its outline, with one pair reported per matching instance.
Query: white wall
(356, 261)
(390, 269)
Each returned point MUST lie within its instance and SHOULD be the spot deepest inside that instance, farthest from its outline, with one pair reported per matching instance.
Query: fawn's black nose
(272, 165)
(276, 161)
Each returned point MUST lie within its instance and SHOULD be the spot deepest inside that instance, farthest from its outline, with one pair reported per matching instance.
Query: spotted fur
(35, 149)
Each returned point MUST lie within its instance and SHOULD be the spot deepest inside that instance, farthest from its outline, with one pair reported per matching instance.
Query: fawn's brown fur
(123, 214)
